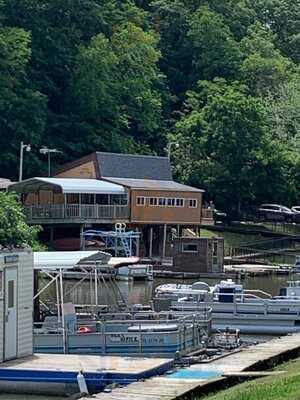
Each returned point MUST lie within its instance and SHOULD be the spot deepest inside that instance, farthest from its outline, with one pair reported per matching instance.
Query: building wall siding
(24, 302)
(165, 214)
(84, 171)
(200, 261)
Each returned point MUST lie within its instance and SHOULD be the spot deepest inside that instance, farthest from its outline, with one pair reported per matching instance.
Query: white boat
(103, 329)
(250, 311)
(296, 267)
(135, 272)
(130, 334)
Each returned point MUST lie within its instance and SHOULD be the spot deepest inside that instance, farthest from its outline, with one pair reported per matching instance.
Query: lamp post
(27, 147)
(45, 150)
(170, 144)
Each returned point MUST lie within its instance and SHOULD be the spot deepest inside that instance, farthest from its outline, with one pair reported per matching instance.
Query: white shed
(16, 303)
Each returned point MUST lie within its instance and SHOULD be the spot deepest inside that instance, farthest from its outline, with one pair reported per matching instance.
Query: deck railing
(76, 211)
(207, 213)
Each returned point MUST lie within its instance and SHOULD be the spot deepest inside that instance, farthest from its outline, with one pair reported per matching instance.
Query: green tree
(115, 83)
(215, 51)
(170, 19)
(22, 108)
(283, 18)
(14, 230)
(264, 68)
(283, 113)
(224, 133)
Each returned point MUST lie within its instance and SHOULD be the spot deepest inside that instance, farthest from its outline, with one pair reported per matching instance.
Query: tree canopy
(14, 231)
(221, 77)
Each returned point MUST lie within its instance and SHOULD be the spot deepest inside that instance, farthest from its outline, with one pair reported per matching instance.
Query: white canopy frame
(91, 270)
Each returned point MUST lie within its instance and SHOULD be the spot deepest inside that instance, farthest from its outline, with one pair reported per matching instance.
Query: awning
(67, 185)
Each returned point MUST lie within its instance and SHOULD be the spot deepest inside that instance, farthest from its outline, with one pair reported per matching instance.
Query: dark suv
(275, 212)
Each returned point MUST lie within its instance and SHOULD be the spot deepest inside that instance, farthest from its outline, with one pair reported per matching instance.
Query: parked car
(276, 212)
(296, 211)
(219, 216)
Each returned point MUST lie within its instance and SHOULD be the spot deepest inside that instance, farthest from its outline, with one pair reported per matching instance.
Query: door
(10, 304)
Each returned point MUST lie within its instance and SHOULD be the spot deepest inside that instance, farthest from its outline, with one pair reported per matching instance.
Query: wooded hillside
(221, 77)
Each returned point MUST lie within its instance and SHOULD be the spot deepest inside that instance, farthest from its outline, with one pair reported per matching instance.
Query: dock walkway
(57, 373)
(198, 377)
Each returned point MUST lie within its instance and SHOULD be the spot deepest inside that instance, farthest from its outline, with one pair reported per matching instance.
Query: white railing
(76, 211)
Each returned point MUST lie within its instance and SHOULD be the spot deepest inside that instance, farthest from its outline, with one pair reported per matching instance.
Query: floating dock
(201, 378)
(57, 373)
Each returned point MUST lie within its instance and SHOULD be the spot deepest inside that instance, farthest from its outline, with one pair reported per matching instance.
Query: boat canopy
(68, 259)
(67, 185)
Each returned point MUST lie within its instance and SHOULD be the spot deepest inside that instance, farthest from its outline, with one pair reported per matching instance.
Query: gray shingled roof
(152, 184)
(134, 166)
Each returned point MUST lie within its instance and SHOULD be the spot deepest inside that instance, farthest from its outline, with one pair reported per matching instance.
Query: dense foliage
(219, 77)
(14, 230)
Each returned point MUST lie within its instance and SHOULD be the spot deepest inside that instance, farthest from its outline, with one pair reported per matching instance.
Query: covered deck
(70, 200)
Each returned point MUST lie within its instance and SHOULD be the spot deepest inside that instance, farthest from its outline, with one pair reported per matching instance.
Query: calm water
(142, 292)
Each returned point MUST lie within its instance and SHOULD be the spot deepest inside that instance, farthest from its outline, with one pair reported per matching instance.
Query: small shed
(16, 303)
(198, 255)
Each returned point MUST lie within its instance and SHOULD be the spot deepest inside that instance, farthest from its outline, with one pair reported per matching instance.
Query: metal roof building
(68, 185)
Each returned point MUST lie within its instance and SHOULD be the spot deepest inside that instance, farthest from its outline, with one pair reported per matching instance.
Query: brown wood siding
(83, 171)
(165, 214)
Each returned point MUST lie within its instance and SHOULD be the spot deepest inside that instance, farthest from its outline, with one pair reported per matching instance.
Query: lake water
(140, 292)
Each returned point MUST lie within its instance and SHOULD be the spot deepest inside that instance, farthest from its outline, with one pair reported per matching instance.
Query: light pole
(170, 144)
(45, 150)
(27, 147)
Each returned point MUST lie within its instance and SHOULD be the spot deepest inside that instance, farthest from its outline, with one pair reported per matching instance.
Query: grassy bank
(285, 386)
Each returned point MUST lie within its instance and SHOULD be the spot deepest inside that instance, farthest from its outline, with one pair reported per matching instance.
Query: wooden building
(104, 188)
(198, 255)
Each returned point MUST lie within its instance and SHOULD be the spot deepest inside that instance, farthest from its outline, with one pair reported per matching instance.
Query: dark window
(140, 201)
(119, 199)
(87, 198)
(153, 201)
(102, 199)
(215, 248)
(72, 198)
(190, 248)
(161, 201)
(11, 294)
(179, 202)
(193, 203)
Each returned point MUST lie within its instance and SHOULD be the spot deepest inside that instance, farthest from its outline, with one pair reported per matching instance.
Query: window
(161, 201)
(169, 202)
(119, 199)
(87, 198)
(140, 201)
(153, 201)
(215, 248)
(72, 198)
(190, 247)
(179, 202)
(11, 294)
(193, 203)
(103, 199)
